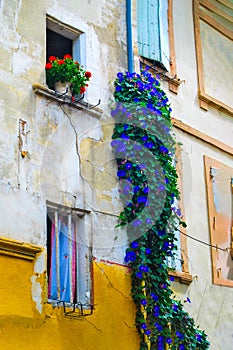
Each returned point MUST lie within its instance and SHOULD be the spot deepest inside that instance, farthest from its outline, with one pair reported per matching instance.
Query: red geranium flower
(82, 89)
(48, 65)
(88, 74)
(60, 62)
(52, 58)
(67, 56)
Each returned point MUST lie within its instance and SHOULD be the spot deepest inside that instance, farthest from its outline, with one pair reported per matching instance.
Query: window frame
(205, 99)
(182, 276)
(212, 217)
(86, 251)
(77, 36)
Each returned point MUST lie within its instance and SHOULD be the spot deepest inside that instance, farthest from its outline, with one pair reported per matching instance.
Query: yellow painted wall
(110, 327)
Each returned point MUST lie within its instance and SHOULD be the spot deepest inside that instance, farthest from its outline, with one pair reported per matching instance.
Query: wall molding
(205, 100)
(202, 136)
(18, 249)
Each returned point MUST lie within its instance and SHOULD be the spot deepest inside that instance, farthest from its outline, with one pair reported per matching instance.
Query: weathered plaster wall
(211, 305)
(185, 106)
(70, 162)
(69, 159)
(23, 325)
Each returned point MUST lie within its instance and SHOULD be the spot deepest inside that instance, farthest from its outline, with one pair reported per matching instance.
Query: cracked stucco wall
(68, 161)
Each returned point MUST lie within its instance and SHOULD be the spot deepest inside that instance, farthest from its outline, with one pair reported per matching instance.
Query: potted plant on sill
(67, 72)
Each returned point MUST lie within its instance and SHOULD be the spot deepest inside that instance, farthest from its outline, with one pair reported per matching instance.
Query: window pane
(57, 45)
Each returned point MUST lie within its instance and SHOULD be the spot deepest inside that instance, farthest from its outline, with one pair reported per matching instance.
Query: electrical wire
(205, 243)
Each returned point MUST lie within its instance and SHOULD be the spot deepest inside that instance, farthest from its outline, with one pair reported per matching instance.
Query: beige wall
(76, 167)
(211, 305)
(69, 158)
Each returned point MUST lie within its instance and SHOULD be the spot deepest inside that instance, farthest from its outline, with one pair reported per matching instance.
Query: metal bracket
(78, 309)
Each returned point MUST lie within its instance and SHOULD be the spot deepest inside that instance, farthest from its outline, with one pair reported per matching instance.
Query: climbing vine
(144, 150)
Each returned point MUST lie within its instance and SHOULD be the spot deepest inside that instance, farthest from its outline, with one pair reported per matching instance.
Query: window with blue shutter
(152, 27)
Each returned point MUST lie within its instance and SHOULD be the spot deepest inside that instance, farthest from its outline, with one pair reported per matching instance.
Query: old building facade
(58, 185)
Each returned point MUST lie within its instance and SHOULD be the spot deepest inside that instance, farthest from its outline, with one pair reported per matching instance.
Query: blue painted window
(152, 27)
(68, 266)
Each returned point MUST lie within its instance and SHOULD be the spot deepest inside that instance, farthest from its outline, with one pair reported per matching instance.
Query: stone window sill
(172, 80)
(66, 99)
(180, 276)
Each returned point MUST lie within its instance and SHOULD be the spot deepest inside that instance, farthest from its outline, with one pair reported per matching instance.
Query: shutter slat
(153, 30)
(164, 38)
(153, 40)
(142, 28)
(148, 29)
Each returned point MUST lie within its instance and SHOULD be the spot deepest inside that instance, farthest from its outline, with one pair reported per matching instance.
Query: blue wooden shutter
(79, 49)
(164, 39)
(152, 25)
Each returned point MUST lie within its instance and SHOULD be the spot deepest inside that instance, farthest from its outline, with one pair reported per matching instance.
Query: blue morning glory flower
(130, 256)
(128, 166)
(161, 232)
(138, 274)
(179, 335)
(140, 86)
(136, 188)
(156, 311)
(154, 296)
(121, 173)
(114, 143)
(118, 88)
(160, 339)
(149, 144)
(163, 149)
(124, 136)
(144, 138)
(120, 75)
(143, 326)
(134, 245)
(158, 327)
(141, 199)
(136, 223)
(144, 268)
